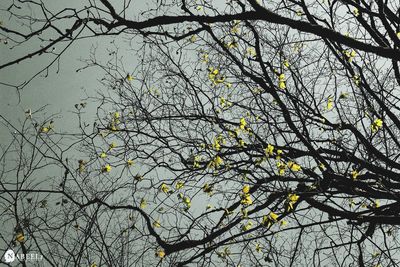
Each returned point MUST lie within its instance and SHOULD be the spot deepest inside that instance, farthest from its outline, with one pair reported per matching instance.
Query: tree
(251, 133)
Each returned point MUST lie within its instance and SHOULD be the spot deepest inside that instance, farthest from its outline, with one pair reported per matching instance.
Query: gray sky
(58, 90)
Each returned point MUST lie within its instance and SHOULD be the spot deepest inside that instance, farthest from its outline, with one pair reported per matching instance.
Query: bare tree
(251, 133)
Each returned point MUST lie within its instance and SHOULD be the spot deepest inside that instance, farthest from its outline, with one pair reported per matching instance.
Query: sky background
(59, 90)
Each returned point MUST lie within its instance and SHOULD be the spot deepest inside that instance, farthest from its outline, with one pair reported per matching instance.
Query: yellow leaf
(232, 45)
(205, 58)
(216, 145)
(266, 221)
(20, 237)
(294, 166)
(281, 168)
(82, 164)
(44, 129)
(351, 202)
(242, 143)
(289, 206)
(286, 63)
(354, 174)
(243, 123)
(251, 51)
(143, 203)
(244, 213)
(235, 29)
(282, 85)
(112, 145)
(357, 80)
(196, 162)
(273, 216)
(269, 219)
(106, 168)
(179, 185)
(246, 189)
(222, 101)
(207, 188)
(246, 200)
(156, 224)
(293, 198)
(376, 125)
(164, 188)
(350, 55)
(329, 104)
(321, 166)
(160, 253)
(269, 151)
(187, 201)
(218, 161)
(213, 71)
(247, 226)
(227, 212)
(278, 154)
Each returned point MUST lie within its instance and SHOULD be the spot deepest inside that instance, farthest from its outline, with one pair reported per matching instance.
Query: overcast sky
(58, 90)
